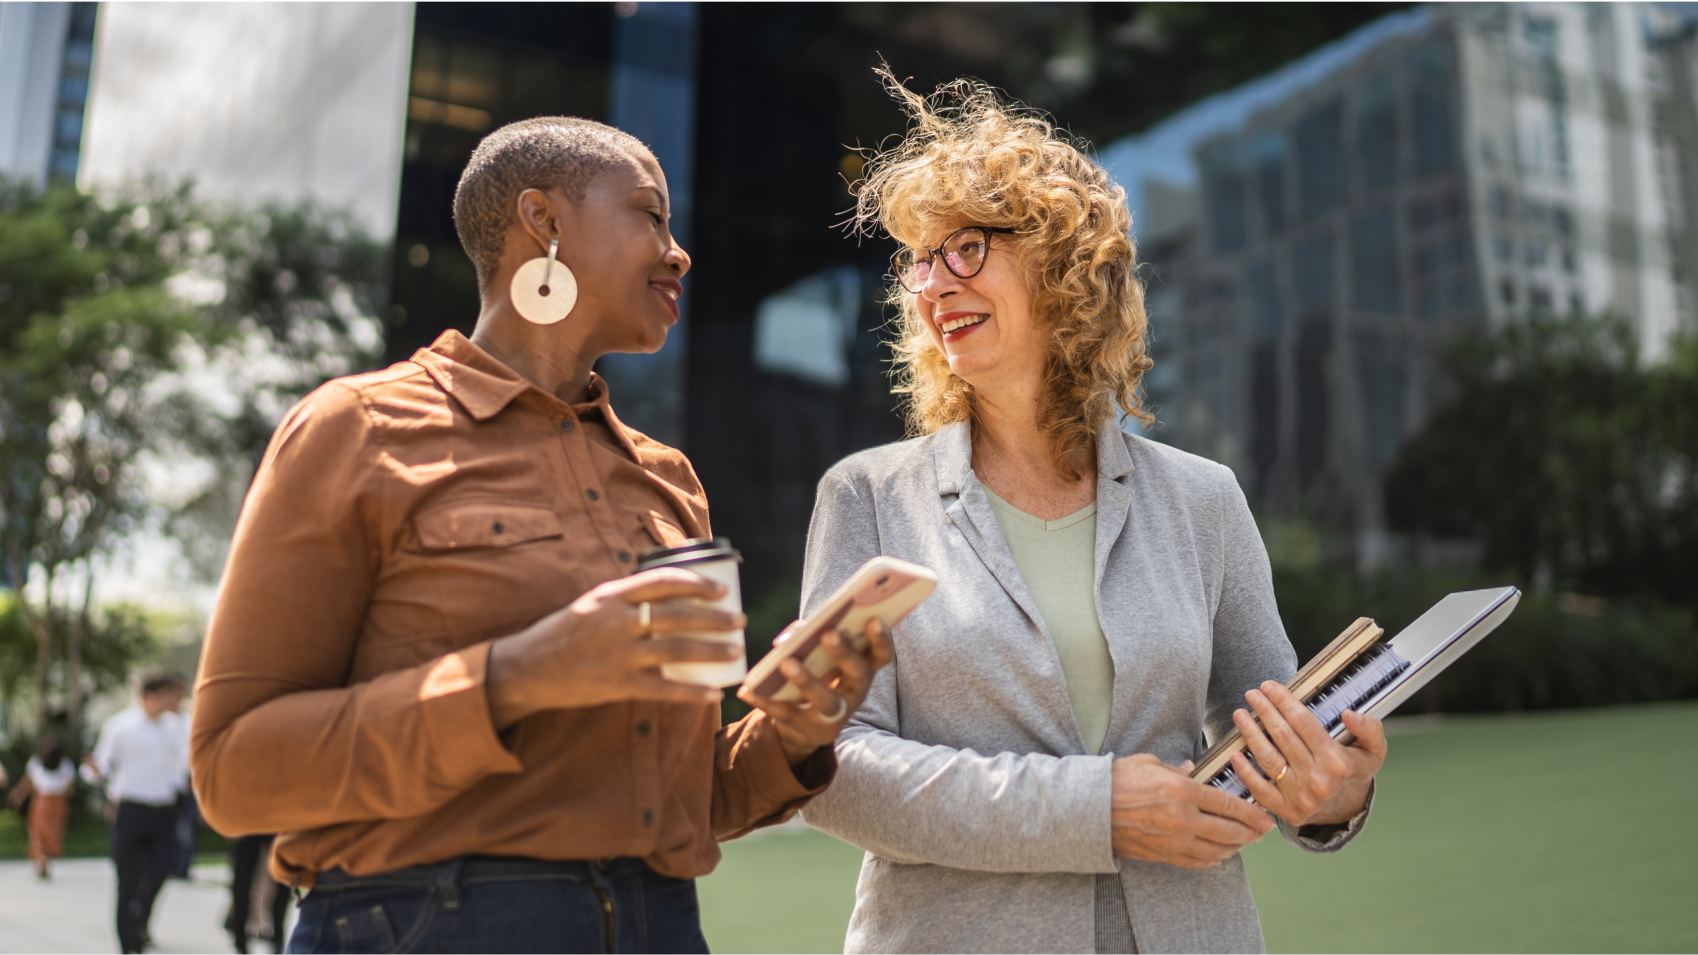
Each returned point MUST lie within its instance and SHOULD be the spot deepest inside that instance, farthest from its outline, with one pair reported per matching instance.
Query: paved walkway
(73, 912)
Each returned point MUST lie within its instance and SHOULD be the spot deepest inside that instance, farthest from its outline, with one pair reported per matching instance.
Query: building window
(1267, 319)
(1270, 181)
(1431, 115)
(1498, 202)
(1503, 247)
(1312, 266)
(1506, 291)
(1223, 192)
(1540, 298)
(1568, 259)
(1541, 34)
(1374, 262)
(1376, 133)
(1320, 159)
(1537, 252)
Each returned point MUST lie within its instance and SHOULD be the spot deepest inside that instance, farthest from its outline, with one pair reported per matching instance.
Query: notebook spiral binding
(1349, 690)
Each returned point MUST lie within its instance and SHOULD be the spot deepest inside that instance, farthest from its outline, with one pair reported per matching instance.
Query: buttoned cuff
(1332, 837)
(755, 783)
(774, 777)
(454, 698)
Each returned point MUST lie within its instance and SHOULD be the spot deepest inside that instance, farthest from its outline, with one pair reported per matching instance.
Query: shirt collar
(484, 386)
(481, 384)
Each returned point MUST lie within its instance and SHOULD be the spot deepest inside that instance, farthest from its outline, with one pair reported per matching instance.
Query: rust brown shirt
(400, 522)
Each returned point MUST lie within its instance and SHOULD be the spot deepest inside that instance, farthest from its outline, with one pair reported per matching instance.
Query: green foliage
(86, 334)
(294, 292)
(1576, 467)
(147, 326)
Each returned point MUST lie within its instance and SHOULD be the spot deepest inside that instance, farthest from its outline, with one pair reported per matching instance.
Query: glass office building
(1316, 237)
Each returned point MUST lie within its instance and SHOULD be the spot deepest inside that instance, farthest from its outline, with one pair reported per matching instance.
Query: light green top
(1057, 559)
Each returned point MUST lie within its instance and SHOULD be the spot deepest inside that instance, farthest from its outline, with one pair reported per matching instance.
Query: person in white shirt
(142, 757)
(49, 776)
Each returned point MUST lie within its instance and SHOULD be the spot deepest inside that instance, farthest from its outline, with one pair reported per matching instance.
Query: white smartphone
(883, 587)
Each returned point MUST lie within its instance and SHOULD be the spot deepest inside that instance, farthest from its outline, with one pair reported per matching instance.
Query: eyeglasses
(964, 254)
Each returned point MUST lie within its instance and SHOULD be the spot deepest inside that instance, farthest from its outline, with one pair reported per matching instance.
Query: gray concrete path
(74, 911)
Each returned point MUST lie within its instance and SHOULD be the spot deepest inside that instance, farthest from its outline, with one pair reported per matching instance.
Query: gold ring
(645, 617)
(842, 711)
(1282, 773)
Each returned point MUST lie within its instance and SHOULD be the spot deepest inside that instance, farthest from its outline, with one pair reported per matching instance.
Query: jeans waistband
(475, 868)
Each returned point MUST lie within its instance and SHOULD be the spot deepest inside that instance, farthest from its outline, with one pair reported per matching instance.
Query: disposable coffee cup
(715, 559)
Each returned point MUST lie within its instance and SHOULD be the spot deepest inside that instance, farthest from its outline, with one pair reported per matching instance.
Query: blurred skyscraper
(254, 101)
(1314, 237)
(45, 52)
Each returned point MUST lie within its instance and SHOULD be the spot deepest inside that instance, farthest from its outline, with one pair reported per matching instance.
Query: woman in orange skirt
(50, 776)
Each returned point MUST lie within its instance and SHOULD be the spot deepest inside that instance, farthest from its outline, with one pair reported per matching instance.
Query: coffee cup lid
(693, 550)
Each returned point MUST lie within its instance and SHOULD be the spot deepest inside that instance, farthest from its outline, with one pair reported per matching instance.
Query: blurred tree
(146, 328)
(87, 334)
(1575, 467)
(297, 290)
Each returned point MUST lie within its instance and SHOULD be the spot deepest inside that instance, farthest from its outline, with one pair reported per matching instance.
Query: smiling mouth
(962, 322)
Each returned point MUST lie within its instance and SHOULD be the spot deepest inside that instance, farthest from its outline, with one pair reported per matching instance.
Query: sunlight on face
(984, 324)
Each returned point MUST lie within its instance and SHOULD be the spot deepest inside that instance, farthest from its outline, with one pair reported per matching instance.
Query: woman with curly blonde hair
(1019, 775)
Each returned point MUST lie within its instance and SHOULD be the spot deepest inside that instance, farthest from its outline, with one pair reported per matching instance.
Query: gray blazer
(964, 775)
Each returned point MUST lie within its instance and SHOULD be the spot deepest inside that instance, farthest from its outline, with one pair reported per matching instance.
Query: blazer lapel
(1114, 509)
(967, 507)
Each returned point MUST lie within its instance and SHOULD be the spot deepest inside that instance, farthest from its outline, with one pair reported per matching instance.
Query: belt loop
(448, 884)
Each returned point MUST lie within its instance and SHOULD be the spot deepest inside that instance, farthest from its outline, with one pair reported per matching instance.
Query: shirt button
(624, 557)
(643, 728)
(498, 527)
(566, 425)
(648, 817)
(593, 494)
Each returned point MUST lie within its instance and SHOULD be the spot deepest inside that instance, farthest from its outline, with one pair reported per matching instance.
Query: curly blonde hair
(971, 158)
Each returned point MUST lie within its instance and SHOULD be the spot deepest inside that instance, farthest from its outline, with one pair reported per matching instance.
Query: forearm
(757, 782)
(915, 803)
(401, 745)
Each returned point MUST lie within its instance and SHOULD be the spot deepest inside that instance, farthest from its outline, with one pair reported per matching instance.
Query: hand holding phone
(883, 587)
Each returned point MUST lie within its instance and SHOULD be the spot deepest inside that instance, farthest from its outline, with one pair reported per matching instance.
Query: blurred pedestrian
(48, 778)
(141, 758)
(432, 668)
(250, 881)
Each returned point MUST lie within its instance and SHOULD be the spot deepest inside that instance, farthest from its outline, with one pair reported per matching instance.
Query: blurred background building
(45, 52)
(1315, 236)
(1312, 235)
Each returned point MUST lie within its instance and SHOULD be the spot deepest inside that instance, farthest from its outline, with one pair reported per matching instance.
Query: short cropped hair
(158, 681)
(559, 152)
(970, 157)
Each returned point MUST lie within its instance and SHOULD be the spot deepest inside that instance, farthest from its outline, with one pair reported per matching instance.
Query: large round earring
(544, 290)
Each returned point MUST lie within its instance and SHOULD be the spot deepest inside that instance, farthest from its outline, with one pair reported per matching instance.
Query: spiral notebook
(1358, 672)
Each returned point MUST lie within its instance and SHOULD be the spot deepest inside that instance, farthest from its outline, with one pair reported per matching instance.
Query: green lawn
(1562, 832)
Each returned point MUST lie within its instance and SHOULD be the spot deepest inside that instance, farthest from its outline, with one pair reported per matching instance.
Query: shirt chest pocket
(468, 525)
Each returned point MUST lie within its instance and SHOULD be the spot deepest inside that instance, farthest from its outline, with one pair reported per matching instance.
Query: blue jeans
(495, 904)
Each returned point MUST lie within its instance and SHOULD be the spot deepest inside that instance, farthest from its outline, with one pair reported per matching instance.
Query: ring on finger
(645, 617)
(1282, 773)
(842, 711)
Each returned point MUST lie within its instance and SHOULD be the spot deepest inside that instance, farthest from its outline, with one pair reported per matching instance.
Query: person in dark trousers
(142, 757)
(247, 853)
